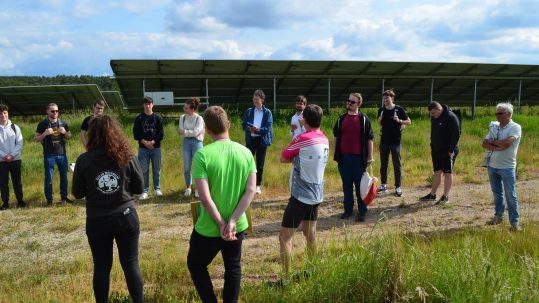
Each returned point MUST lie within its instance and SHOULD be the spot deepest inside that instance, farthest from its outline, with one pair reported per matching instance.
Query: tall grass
(466, 266)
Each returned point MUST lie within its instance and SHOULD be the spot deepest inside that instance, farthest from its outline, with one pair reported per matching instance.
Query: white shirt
(258, 114)
(299, 128)
(506, 158)
(193, 126)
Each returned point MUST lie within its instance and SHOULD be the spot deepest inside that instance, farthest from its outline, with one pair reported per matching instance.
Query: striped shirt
(309, 151)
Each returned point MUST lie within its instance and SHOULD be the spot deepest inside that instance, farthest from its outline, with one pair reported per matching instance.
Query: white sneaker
(158, 193)
(187, 192)
(144, 196)
(258, 191)
(196, 193)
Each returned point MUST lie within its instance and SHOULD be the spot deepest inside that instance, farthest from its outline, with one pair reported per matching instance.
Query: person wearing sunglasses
(503, 143)
(52, 133)
(353, 152)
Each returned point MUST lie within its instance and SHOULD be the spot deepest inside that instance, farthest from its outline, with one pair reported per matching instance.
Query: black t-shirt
(391, 129)
(53, 144)
(86, 123)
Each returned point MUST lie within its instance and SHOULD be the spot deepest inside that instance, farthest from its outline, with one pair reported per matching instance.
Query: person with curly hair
(108, 175)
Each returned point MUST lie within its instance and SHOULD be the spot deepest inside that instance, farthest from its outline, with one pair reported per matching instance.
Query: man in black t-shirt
(52, 133)
(99, 109)
(393, 119)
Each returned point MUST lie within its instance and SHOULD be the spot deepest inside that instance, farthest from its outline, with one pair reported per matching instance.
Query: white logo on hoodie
(107, 182)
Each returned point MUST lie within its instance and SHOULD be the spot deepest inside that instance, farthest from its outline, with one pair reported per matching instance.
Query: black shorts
(297, 211)
(442, 161)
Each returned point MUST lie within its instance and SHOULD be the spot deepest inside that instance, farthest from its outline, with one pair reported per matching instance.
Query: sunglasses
(352, 101)
(499, 114)
(53, 111)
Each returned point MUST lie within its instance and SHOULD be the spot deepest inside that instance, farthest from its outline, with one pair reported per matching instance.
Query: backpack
(14, 131)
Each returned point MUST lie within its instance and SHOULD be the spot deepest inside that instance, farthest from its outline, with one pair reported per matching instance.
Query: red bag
(368, 187)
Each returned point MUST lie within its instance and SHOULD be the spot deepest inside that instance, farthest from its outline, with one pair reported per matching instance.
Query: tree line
(104, 83)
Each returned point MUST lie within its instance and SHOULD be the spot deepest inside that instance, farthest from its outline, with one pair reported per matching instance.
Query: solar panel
(114, 99)
(233, 81)
(33, 100)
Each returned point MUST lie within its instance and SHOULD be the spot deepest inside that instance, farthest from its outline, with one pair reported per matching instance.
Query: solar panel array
(233, 81)
(33, 100)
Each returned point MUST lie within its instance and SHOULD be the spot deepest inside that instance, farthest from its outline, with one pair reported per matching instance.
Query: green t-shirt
(226, 165)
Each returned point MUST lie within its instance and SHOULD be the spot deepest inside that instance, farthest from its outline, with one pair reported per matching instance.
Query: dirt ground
(470, 205)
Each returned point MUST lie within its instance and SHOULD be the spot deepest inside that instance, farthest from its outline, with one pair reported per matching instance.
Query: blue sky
(74, 37)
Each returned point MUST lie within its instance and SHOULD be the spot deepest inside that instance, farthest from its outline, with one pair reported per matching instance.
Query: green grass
(46, 258)
(466, 266)
(417, 167)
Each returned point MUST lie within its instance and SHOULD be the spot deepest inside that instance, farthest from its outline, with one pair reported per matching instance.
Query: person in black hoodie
(148, 131)
(108, 175)
(353, 153)
(444, 139)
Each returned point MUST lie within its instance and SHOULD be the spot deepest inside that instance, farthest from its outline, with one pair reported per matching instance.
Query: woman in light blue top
(191, 128)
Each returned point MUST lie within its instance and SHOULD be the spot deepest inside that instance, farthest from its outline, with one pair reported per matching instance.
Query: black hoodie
(445, 132)
(108, 189)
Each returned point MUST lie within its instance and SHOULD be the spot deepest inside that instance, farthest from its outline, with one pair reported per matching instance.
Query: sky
(80, 37)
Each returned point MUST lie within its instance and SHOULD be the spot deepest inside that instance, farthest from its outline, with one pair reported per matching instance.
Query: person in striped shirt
(309, 154)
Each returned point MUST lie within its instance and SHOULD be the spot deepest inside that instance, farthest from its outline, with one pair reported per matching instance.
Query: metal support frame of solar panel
(327, 82)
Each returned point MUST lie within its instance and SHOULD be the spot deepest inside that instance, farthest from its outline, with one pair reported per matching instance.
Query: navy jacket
(265, 131)
(366, 135)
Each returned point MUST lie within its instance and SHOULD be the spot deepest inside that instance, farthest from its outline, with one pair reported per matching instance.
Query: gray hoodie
(10, 141)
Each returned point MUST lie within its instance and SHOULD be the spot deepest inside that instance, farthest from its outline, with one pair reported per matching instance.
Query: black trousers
(259, 152)
(395, 151)
(13, 168)
(202, 251)
(101, 233)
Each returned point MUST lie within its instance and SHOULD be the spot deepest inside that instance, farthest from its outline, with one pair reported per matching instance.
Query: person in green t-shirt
(225, 176)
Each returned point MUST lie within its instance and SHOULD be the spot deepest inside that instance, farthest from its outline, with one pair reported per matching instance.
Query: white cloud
(84, 9)
(138, 6)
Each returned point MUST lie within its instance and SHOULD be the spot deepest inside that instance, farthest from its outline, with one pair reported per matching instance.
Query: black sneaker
(67, 200)
(443, 200)
(21, 204)
(4, 206)
(382, 189)
(428, 197)
(346, 215)
(49, 203)
(495, 220)
(360, 218)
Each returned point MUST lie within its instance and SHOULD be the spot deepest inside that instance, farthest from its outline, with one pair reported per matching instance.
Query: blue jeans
(144, 157)
(50, 161)
(502, 181)
(190, 147)
(351, 169)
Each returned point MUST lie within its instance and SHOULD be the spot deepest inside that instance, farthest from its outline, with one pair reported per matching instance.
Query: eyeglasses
(499, 114)
(53, 111)
(352, 101)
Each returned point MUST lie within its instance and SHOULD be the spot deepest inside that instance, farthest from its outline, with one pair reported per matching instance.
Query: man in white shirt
(503, 141)
(296, 123)
(10, 158)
